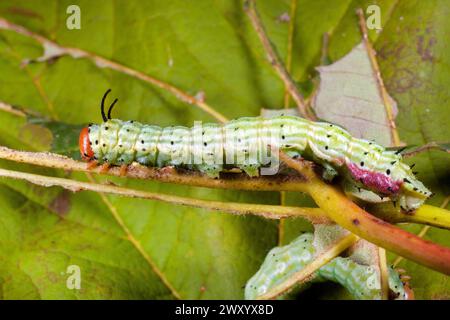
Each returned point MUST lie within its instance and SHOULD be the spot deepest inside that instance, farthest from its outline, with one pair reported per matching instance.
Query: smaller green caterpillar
(362, 281)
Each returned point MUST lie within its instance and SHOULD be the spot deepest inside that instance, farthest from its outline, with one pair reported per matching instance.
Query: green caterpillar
(363, 282)
(252, 145)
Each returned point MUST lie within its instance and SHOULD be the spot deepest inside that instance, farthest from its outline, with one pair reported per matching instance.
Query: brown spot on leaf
(53, 277)
(355, 222)
(425, 47)
(410, 64)
(61, 204)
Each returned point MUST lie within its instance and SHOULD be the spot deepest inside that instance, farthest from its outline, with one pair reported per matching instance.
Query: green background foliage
(198, 46)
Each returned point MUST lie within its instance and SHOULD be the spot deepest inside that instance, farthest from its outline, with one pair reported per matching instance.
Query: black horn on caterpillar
(102, 106)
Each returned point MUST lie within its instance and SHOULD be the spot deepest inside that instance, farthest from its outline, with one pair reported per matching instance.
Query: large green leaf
(198, 46)
(414, 58)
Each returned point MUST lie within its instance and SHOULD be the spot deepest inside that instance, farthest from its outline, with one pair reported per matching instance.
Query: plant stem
(290, 42)
(424, 230)
(425, 147)
(267, 211)
(387, 101)
(168, 174)
(431, 215)
(427, 214)
(384, 273)
(10, 109)
(353, 218)
(377, 231)
(274, 60)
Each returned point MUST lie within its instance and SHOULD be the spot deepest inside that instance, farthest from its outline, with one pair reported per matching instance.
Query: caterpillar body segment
(280, 264)
(248, 143)
(362, 281)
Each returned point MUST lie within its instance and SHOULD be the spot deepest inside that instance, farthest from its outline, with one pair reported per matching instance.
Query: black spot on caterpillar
(246, 143)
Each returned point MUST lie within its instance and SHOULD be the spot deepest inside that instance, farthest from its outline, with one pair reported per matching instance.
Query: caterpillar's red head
(85, 145)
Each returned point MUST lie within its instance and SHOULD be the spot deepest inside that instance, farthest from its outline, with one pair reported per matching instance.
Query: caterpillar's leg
(329, 173)
(399, 288)
(211, 170)
(408, 203)
(123, 170)
(408, 291)
(92, 164)
(352, 189)
(104, 167)
(252, 169)
(295, 154)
